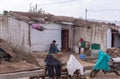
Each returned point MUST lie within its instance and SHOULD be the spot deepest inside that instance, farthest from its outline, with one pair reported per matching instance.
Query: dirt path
(101, 75)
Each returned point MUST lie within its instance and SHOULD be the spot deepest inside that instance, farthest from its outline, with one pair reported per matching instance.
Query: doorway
(65, 39)
(115, 39)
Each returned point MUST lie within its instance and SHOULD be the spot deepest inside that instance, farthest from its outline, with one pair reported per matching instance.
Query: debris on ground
(6, 67)
(6, 48)
(40, 57)
(19, 61)
(114, 52)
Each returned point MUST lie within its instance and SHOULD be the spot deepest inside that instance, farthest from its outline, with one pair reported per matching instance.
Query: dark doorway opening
(65, 39)
(115, 39)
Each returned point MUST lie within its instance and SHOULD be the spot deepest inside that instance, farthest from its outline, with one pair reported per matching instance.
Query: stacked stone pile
(114, 52)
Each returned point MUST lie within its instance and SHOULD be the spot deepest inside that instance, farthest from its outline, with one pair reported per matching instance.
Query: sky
(108, 10)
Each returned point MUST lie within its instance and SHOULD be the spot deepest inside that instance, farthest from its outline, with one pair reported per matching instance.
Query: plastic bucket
(82, 56)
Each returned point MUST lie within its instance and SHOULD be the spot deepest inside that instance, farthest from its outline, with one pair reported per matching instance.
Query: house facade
(106, 35)
(17, 29)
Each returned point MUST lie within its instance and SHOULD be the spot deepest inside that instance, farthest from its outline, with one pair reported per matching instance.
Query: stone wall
(93, 34)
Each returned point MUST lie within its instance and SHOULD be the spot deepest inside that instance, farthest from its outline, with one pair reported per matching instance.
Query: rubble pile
(18, 61)
(114, 52)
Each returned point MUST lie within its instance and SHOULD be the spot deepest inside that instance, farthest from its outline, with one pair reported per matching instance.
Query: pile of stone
(114, 52)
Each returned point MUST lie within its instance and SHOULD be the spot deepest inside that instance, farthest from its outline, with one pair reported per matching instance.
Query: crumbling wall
(93, 34)
(15, 32)
(4, 27)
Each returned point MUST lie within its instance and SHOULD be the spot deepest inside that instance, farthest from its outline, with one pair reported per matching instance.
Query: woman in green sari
(53, 47)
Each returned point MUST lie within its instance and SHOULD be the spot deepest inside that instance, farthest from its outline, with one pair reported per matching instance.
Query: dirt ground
(40, 56)
(101, 75)
(16, 66)
(18, 63)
